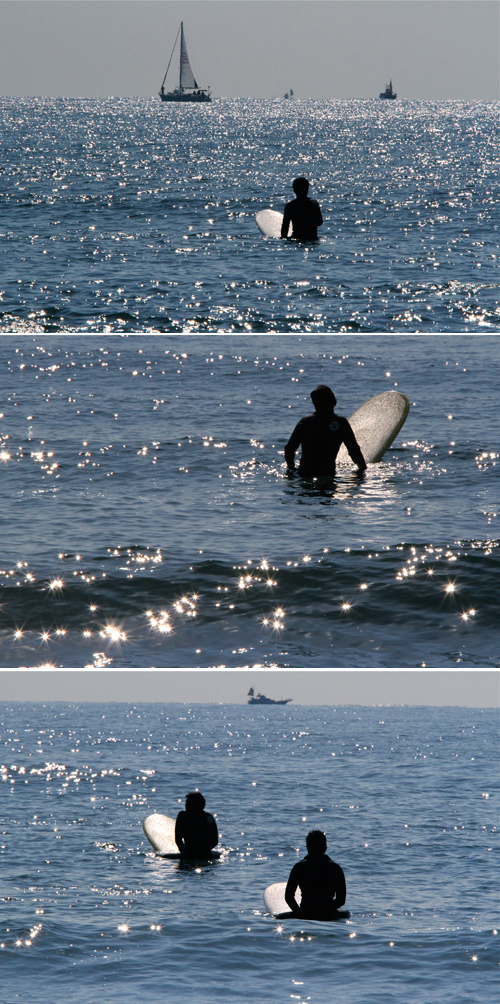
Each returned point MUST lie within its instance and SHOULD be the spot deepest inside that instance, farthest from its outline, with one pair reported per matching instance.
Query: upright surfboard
(269, 222)
(376, 424)
(160, 831)
(276, 904)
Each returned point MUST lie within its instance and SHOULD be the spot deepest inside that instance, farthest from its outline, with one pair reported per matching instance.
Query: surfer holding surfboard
(301, 220)
(321, 435)
(303, 213)
(195, 830)
(320, 880)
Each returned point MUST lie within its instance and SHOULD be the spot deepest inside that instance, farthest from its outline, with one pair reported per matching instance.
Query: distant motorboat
(389, 94)
(262, 699)
(188, 89)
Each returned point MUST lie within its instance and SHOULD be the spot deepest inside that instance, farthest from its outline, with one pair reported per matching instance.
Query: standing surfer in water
(321, 436)
(195, 830)
(304, 213)
(320, 880)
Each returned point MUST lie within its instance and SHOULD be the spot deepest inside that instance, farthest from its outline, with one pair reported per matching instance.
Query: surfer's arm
(286, 222)
(292, 446)
(213, 831)
(179, 832)
(291, 887)
(353, 448)
(340, 889)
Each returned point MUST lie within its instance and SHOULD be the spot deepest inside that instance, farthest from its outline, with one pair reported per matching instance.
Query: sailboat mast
(180, 55)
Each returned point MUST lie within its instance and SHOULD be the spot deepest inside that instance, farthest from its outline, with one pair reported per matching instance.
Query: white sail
(186, 75)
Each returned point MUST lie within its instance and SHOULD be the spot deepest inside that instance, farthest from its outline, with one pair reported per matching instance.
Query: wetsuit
(306, 217)
(321, 436)
(196, 833)
(322, 884)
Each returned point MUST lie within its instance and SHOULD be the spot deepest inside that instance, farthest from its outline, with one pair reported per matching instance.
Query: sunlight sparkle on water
(160, 622)
(113, 632)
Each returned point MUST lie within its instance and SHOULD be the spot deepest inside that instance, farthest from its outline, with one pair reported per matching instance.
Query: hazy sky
(253, 48)
(468, 688)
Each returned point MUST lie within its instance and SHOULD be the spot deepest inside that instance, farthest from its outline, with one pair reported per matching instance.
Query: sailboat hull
(185, 96)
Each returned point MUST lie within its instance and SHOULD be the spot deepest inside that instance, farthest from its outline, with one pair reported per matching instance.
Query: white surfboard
(376, 424)
(269, 222)
(160, 831)
(274, 898)
(276, 904)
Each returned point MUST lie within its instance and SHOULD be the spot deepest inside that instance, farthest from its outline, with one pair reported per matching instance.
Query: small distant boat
(188, 89)
(262, 699)
(289, 94)
(389, 94)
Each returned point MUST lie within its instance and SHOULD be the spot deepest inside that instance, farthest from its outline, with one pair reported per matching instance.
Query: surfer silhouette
(320, 880)
(321, 436)
(195, 830)
(304, 213)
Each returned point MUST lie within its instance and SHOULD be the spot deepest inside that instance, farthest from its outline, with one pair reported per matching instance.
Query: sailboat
(188, 89)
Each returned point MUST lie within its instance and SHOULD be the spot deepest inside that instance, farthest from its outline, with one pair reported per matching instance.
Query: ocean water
(147, 518)
(123, 214)
(408, 798)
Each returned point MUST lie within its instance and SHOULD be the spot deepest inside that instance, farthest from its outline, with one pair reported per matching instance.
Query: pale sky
(467, 688)
(432, 49)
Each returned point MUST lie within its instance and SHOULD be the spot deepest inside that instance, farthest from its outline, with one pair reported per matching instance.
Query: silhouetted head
(323, 398)
(195, 801)
(316, 842)
(300, 187)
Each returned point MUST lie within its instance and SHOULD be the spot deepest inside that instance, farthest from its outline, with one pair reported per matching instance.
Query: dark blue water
(126, 215)
(408, 798)
(147, 518)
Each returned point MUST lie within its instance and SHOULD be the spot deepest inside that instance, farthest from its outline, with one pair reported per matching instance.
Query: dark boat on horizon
(188, 89)
(389, 94)
(262, 699)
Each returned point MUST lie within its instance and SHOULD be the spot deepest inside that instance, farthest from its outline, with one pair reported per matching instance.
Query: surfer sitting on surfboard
(195, 830)
(321, 436)
(304, 213)
(320, 880)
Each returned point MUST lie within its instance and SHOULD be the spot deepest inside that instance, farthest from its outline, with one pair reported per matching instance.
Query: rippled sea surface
(147, 518)
(407, 797)
(128, 215)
